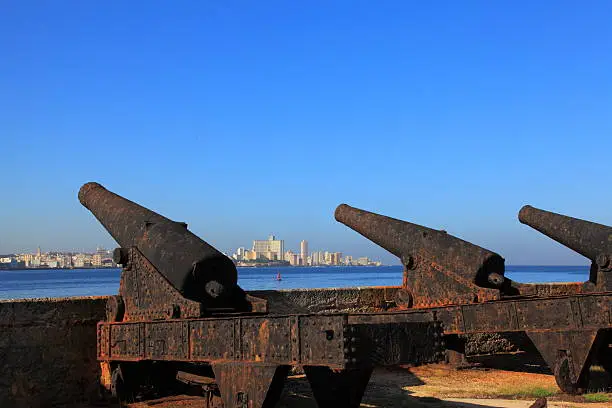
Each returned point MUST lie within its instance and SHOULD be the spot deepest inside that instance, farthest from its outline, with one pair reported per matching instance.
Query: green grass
(598, 397)
(528, 392)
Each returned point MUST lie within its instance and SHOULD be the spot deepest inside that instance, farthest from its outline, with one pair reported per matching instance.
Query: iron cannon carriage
(180, 308)
(570, 324)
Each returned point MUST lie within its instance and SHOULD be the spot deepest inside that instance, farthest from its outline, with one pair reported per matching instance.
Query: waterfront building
(250, 255)
(335, 258)
(304, 251)
(96, 260)
(363, 260)
(240, 253)
(271, 249)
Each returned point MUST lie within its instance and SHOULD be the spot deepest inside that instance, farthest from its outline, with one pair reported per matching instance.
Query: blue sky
(247, 118)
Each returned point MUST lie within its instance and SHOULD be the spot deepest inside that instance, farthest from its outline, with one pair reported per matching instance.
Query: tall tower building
(304, 251)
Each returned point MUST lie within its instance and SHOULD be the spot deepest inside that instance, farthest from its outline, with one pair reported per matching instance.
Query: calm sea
(96, 282)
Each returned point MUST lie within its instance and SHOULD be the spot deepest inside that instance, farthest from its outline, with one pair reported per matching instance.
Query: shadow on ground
(384, 390)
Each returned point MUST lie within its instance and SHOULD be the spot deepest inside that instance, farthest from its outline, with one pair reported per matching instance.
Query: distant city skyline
(274, 250)
(100, 258)
(244, 117)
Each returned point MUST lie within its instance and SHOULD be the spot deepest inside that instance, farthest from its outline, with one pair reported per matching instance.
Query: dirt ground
(431, 386)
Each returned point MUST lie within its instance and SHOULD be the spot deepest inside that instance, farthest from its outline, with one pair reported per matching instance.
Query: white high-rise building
(304, 251)
(314, 258)
(240, 253)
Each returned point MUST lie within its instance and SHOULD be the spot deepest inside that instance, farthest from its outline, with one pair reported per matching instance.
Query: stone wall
(48, 352)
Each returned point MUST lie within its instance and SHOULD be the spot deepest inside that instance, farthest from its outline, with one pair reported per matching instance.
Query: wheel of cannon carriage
(563, 376)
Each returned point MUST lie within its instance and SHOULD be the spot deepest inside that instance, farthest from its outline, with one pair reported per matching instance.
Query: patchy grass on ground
(598, 397)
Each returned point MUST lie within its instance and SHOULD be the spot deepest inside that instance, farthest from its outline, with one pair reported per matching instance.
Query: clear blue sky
(257, 117)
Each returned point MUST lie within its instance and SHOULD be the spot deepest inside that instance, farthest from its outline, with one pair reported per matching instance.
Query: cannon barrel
(589, 239)
(415, 243)
(196, 269)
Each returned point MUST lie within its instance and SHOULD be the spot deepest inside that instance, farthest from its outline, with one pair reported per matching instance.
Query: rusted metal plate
(389, 344)
(103, 332)
(264, 339)
(596, 310)
(544, 314)
(432, 284)
(212, 339)
(149, 296)
(167, 340)
(126, 341)
(451, 318)
(322, 339)
(418, 316)
(490, 317)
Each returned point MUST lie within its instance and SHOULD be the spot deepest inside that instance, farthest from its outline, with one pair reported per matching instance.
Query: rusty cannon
(464, 287)
(180, 311)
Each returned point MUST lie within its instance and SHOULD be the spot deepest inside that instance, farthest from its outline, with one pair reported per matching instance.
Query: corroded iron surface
(589, 239)
(196, 269)
(439, 268)
(569, 323)
(179, 306)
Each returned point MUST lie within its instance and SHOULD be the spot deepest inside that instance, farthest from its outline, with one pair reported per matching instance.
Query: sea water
(39, 283)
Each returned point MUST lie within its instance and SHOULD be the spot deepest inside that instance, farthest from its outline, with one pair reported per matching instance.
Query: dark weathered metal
(318, 340)
(439, 268)
(569, 323)
(414, 243)
(338, 388)
(589, 239)
(196, 269)
(179, 305)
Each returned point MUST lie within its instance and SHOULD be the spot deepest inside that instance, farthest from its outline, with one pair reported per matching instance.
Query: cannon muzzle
(589, 239)
(192, 266)
(414, 243)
